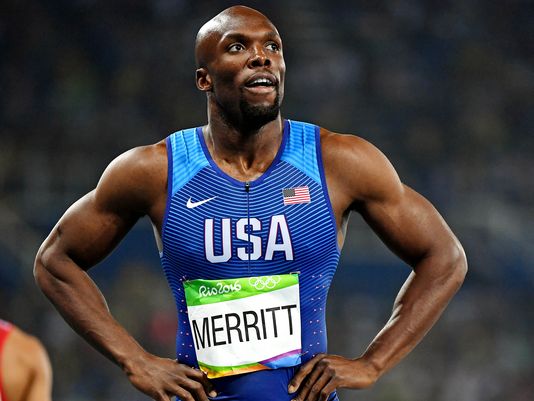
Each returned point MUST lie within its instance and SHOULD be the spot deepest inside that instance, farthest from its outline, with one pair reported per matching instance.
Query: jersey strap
(185, 157)
(297, 152)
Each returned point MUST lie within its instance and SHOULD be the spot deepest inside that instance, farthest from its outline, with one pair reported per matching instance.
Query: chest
(283, 219)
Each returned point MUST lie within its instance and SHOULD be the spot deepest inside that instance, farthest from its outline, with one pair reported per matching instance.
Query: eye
(273, 47)
(236, 47)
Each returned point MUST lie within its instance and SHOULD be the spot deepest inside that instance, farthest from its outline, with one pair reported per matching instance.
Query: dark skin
(359, 177)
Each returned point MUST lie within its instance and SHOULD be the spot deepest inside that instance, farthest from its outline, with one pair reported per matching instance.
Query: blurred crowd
(445, 89)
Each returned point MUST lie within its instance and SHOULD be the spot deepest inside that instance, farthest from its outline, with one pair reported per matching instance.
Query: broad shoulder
(143, 162)
(357, 167)
(136, 178)
(348, 148)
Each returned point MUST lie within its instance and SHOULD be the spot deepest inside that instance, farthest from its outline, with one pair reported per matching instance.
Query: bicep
(94, 225)
(405, 221)
(89, 230)
(408, 224)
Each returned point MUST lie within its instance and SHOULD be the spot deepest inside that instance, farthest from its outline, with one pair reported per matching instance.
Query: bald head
(230, 19)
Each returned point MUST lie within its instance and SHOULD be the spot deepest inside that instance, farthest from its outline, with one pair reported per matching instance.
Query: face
(244, 70)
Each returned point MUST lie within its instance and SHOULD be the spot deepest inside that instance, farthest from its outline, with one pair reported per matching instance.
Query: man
(250, 213)
(25, 372)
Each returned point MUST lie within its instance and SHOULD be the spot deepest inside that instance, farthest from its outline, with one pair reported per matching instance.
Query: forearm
(82, 305)
(80, 302)
(420, 302)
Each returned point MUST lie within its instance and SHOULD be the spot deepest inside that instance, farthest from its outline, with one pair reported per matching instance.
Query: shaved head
(241, 67)
(212, 31)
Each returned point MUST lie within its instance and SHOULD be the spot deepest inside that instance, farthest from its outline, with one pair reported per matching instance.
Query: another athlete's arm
(133, 185)
(27, 374)
(360, 178)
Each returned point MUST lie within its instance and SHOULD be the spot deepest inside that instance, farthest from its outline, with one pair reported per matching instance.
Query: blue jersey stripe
(187, 156)
(298, 147)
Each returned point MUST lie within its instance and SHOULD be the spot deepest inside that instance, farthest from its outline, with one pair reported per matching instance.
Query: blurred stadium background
(445, 89)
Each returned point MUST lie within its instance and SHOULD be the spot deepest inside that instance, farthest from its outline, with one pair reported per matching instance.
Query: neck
(244, 152)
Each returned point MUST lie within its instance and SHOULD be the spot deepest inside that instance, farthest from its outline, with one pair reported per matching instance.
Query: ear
(203, 80)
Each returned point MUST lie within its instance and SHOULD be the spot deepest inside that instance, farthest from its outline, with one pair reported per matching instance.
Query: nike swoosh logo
(192, 205)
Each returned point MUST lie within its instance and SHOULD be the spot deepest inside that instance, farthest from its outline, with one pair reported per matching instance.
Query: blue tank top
(216, 227)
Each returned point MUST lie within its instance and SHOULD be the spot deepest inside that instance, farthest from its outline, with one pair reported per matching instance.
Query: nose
(259, 58)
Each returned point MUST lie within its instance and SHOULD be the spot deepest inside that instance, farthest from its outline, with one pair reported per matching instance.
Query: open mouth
(261, 84)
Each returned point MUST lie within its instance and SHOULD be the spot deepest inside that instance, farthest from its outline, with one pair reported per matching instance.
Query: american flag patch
(294, 196)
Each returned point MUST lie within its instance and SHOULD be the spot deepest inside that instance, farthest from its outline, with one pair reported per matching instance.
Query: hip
(264, 385)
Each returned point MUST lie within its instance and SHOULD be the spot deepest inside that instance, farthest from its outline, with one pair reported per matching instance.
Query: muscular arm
(132, 186)
(414, 230)
(361, 179)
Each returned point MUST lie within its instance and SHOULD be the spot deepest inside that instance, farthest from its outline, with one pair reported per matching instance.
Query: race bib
(246, 324)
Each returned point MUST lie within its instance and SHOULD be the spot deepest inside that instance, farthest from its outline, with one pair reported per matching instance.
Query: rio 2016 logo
(218, 289)
(261, 283)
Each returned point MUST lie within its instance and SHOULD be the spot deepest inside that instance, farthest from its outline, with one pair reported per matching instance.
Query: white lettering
(278, 239)
(218, 289)
(226, 238)
(255, 240)
(279, 226)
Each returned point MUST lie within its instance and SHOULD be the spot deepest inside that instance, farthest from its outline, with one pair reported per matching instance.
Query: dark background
(445, 89)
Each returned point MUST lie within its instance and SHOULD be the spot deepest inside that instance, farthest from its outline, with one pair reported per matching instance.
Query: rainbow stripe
(286, 359)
